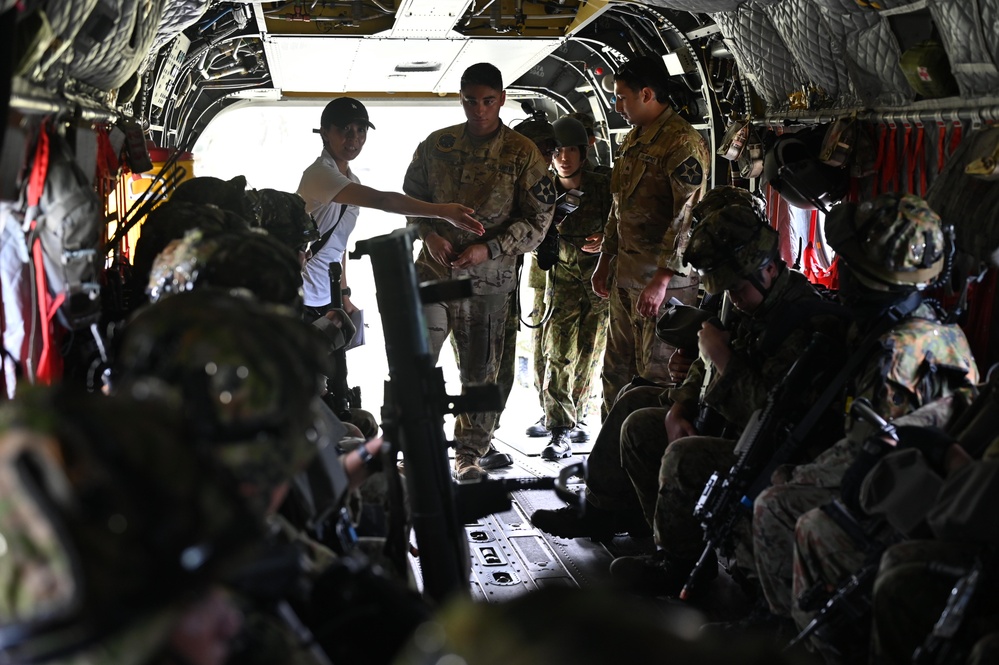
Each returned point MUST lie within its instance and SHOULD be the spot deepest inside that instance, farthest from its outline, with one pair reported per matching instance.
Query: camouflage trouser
(632, 346)
(537, 344)
(776, 511)
(607, 484)
(669, 479)
(826, 556)
(508, 366)
(909, 597)
(478, 325)
(573, 339)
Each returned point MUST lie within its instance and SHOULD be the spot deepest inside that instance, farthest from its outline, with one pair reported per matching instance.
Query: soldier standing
(660, 172)
(505, 179)
(575, 334)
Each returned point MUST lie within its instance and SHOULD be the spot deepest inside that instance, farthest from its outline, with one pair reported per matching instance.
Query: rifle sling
(801, 431)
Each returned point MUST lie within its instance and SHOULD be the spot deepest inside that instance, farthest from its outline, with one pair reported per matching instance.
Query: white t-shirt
(320, 183)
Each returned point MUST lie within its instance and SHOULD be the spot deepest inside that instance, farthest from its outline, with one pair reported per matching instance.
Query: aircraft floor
(510, 557)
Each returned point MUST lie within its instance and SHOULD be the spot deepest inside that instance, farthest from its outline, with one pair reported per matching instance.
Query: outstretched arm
(456, 214)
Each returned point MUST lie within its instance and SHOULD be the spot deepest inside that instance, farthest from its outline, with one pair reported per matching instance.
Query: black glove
(870, 454)
(932, 442)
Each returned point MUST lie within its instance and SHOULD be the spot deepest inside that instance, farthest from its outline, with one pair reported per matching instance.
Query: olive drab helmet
(249, 376)
(250, 259)
(731, 240)
(282, 214)
(106, 522)
(792, 167)
(896, 242)
(570, 132)
(226, 194)
(541, 132)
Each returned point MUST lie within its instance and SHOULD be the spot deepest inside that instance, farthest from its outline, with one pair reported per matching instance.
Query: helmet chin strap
(757, 283)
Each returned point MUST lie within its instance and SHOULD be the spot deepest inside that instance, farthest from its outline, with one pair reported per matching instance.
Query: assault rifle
(413, 421)
(725, 500)
(342, 398)
(849, 605)
(942, 646)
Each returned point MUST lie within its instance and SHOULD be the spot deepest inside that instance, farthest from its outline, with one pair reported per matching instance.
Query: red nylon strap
(909, 166)
(920, 158)
(49, 363)
(955, 137)
(941, 142)
(39, 166)
(889, 179)
(879, 163)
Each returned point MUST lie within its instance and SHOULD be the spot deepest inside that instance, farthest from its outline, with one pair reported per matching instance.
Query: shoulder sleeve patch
(445, 142)
(689, 172)
(544, 191)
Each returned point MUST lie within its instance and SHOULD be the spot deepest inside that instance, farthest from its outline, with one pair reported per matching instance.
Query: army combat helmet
(282, 214)
(249, 377)
(731, 240)
(894, 243)
(570, 132)
(250, 259)
(107, 523)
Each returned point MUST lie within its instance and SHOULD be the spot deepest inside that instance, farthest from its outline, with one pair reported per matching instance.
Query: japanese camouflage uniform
(505, 180)
(98, 498)
(576, 333)
(670, 476)
(657, 175)
(909, 598)
(917, 362)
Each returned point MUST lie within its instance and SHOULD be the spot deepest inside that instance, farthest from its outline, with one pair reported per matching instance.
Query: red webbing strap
(879, 162)
(920, 158)
(49, 363)
(49, 366)
(941, 143)
(889, 176)
(39, 166)
(955, 137)
(907, 152)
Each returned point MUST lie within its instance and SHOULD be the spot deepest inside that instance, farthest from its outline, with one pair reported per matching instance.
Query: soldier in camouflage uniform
(503, 177)
(102, 507)
(575, 334)
(591, 140)
(889, 250)
(661, 170)
(776, 313)
(913, 582)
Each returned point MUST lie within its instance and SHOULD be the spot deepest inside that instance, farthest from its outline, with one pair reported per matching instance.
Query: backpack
(61, 218)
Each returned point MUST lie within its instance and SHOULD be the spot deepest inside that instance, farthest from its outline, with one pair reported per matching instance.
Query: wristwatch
(345, 292)
(365, 454)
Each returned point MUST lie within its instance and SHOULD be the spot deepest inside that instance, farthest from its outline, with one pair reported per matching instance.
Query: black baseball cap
(342, 111)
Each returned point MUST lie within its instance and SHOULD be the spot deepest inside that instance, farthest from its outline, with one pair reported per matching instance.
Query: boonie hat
(342, 111)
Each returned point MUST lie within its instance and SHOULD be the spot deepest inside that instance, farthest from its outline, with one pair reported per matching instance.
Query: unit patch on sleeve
(445, 143)
(544, 191)
(689, 172)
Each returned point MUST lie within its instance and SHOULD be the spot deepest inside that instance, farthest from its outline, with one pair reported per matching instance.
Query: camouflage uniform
(656, 176)
(670, 476)
(576, 333)
(908, 598)
(506, 181)
(75, 471)
(537, 279)
(607, 485)
(917, 362)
